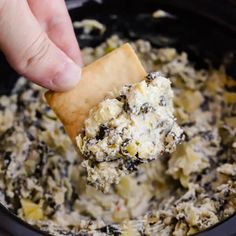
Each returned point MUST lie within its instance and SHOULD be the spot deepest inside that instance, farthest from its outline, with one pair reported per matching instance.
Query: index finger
(54, 18)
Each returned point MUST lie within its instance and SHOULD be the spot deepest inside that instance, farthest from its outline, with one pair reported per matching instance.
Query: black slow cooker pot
(206, 29)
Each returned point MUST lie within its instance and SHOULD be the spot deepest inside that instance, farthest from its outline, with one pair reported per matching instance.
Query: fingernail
(67, 77)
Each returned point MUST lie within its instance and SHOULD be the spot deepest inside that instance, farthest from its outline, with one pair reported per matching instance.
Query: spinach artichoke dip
(43, 181)
(135, 127)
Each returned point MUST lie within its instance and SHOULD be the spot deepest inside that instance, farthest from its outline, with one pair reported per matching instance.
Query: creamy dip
(136, 127)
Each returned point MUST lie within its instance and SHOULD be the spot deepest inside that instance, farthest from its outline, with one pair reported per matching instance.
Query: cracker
(109, 73)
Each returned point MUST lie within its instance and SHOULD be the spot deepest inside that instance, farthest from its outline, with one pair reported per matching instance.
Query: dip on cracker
(118, 116)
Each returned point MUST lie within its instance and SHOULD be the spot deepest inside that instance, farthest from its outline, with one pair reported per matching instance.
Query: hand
(38, 40)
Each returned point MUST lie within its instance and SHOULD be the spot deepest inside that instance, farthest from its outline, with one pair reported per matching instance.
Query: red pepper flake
(118, 208)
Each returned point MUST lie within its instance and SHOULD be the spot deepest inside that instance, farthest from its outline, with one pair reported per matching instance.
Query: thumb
(30, 51)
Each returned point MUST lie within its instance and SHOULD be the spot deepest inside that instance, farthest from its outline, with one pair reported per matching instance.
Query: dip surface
(42, 180)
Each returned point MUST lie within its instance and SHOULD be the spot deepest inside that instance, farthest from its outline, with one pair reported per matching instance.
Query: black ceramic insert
(206, 29)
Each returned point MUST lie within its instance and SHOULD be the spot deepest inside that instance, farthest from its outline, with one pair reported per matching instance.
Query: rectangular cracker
(109, 73)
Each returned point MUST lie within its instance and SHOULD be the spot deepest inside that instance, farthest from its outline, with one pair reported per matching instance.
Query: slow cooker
(205, 29)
